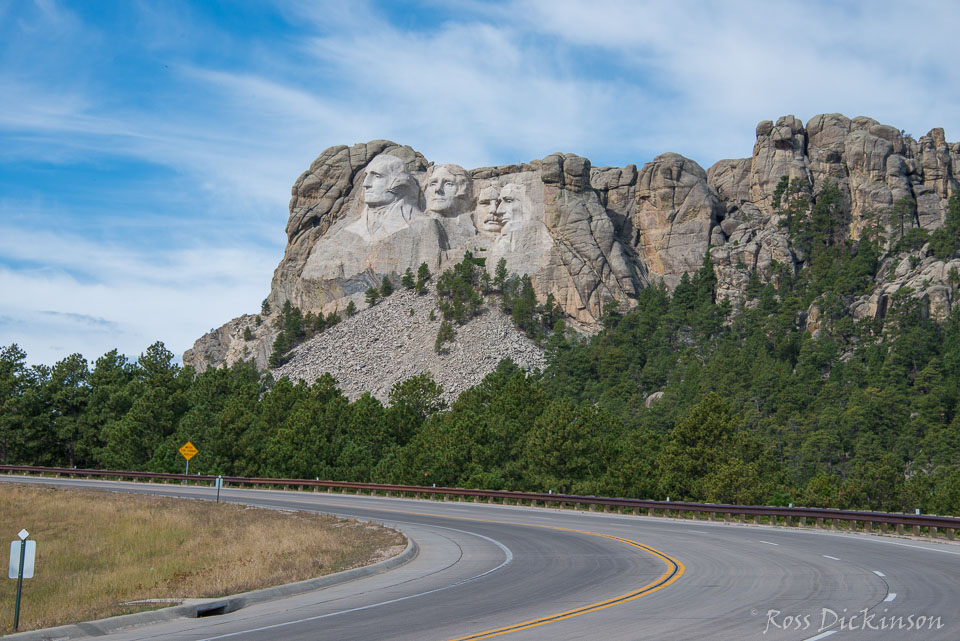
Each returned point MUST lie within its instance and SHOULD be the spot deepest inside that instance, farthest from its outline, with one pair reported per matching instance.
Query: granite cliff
(589, 235)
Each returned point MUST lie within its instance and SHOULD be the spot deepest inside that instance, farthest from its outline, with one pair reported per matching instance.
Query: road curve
(520, 574)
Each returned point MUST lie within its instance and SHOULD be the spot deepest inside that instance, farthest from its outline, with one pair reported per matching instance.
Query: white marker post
(23, 553)
(219, 487)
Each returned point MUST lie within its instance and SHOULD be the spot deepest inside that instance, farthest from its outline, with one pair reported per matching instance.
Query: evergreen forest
(683, 396)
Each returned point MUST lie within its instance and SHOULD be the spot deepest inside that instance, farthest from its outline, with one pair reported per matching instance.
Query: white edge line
(769, 543)
(237, 492)
(833, 558)
(879, 573)
(890, 597)
(500, 545)
(822, 636)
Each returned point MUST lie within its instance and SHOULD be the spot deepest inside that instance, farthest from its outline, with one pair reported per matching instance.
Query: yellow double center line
(674, 571)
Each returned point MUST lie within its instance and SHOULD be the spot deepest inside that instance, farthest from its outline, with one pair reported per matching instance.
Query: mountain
(589, 236)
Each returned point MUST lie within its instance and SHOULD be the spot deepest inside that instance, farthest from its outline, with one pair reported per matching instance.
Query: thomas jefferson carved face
(447, 190)
(386, 181)
(487, 219)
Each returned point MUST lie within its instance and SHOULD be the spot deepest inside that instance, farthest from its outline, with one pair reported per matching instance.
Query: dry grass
(98, 550)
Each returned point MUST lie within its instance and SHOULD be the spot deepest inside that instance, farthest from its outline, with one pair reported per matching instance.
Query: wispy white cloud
(91, 297)
(724, 66)
(229, 120)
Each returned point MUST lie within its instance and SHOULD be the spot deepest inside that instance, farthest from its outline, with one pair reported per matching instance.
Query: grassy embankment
(97, 551)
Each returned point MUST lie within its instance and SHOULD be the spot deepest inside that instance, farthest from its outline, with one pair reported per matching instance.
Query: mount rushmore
(583, 234)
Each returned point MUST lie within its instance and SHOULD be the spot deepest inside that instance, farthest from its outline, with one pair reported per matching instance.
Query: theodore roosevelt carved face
(448, 190)
(487, 220)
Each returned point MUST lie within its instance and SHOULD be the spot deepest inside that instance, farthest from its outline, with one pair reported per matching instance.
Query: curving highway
(521, 574)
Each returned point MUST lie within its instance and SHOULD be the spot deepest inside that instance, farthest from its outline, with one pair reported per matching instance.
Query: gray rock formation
(386, 343)
(874, 166)
(590, 235)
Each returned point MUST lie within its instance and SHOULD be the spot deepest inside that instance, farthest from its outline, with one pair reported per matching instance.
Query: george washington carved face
(387, 180)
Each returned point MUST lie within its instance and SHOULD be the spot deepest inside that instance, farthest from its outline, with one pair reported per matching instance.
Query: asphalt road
(522, 574)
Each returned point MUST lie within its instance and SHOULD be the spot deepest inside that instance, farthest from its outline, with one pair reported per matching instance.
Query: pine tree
(550, 312)
(386, 287)
(281, 345)
(68, 393)
(423, 275)
(444, 334)
(351, 309)
(500, 275)
(525, 308)
(407, 280)
(611, 316)
(373, 295)
(423, 272)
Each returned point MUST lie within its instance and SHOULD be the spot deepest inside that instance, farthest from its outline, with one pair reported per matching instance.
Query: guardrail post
(726, 517)
(803, 521)
(743, 518)
(819, 521)
(933, 531)
(949, 532)
(899, 528)
(916, 530)
(606, 508)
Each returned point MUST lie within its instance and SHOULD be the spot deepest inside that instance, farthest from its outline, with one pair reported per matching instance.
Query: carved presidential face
(487, 219)
(510, 208)
(385, 180)
(447, 189)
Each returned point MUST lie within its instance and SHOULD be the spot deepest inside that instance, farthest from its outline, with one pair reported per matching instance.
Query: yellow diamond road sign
(189, 450)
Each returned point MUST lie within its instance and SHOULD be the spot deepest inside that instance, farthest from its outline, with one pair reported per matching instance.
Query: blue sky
(147, 149)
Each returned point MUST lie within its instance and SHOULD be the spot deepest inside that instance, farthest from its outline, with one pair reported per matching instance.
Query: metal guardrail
(866, 520)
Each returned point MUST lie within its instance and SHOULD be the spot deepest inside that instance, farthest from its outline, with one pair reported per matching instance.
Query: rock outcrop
(543, 218)
(873, 165)
(589, 235)
(394, 340)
